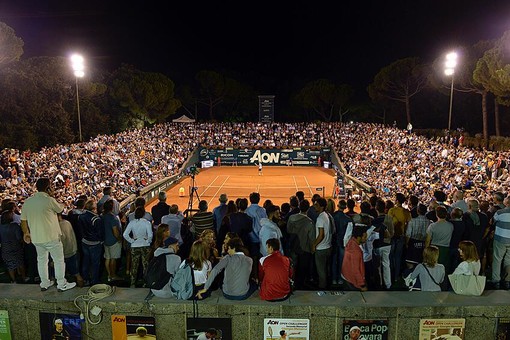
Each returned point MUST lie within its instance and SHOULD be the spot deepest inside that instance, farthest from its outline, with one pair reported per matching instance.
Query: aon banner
(282, 157)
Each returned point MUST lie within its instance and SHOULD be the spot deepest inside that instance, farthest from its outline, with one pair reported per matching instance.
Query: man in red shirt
(353, 267)
(275, 273)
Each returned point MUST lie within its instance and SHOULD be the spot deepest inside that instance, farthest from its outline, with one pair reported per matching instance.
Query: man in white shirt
(322, 244)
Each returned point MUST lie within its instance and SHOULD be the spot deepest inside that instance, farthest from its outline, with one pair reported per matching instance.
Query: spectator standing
(501, 244)
(275, 273)
(220, 211)
(301, 232)
(107, 195)
(458, 201)
(174, 221)
(382, 246)
(322, 245)
(477, 226)
(112, 239)
(140, 241)
(11, 241)
(400, 218)
(160, 209)
(256, 212)
(416, 234)
(39, 223)
(238, 222)
(203, 219)
(458, 234)
(342, 222)
(93, 234)
(70, 250)
(439, 234)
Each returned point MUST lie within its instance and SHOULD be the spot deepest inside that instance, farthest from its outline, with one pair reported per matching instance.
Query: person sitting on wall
(275, 273)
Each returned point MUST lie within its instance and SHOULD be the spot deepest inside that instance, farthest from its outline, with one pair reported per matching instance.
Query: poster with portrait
(5, 326)
(503, 329)
(442, 329)
(60, 326)
(215, 328)
(133, 327)
(365, 329)
(295, 329)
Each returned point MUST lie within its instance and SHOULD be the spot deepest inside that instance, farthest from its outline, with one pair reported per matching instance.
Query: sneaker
(67, 286)
(43, 289)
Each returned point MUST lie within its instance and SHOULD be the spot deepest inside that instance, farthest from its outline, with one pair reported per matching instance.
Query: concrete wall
(403, 310)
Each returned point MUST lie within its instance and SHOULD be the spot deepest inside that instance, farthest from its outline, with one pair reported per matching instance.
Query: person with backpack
(198, 260)
(163, 267)
(237, 266)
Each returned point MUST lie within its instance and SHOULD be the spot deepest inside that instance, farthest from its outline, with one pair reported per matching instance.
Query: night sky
(344, 41)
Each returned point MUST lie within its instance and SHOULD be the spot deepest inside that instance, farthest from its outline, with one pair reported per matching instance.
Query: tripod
(193, 193)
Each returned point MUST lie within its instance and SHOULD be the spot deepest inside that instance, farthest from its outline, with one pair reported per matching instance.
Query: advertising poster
(209, 328)
(133, 327)
(365, 329)
(5, 326)
(502, 330)
(442, 329)
(295, 329)
(55, 326)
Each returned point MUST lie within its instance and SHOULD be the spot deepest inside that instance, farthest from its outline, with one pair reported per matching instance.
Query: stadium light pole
(78, 68)
(450, 64)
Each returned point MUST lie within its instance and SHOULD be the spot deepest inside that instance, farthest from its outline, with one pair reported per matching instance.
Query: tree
(399, 81)
(212, 88)
(323, 98)
(10, 45)
(148, 97)
(492, 72)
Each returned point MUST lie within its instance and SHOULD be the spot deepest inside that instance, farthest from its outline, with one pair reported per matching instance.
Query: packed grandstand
(388, 159)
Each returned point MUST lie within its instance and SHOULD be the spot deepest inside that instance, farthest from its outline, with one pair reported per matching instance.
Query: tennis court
(276, 183)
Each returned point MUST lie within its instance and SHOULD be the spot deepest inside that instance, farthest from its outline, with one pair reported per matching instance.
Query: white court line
(207, 187)
(311, 192)
(295, 183)
(249, 187)
(216, 193)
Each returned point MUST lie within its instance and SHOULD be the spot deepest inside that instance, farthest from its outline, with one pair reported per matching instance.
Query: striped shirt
(502, 222)
(417, 228)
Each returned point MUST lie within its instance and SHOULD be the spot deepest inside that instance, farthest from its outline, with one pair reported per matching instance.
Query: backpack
(156, 276)
(183, 283)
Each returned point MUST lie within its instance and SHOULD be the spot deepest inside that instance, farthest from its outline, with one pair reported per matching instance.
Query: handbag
(467, 284)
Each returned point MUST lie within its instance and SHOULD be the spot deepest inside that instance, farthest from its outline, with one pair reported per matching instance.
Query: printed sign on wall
(435, 329)
(295, 329)
(365, 329)
(133, 327)
(5, 326)
(55, 326)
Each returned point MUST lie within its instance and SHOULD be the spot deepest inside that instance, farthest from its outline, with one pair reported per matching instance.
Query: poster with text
(56, 326)
(133, 327)
(211, 328)
(295, 329)
(442, 329)
(365, 329)
(503, 329)
(5, 326)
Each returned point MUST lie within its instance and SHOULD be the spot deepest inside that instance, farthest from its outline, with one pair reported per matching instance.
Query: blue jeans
(91, 262)
(336, 263)
(253, 287)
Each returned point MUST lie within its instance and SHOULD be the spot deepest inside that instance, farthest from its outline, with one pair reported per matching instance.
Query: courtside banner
(283, 157)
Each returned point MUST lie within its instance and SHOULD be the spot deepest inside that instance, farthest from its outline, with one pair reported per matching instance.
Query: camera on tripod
(191, 171)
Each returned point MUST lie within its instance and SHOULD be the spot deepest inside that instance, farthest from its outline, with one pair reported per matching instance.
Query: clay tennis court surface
(277, 184)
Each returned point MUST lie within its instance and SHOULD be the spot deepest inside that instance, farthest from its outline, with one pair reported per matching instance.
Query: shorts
(113, 252)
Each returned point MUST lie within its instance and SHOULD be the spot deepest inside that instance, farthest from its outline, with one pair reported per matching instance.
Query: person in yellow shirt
(400, 217)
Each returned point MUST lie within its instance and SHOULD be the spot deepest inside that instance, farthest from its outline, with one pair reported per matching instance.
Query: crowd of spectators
(419, 186)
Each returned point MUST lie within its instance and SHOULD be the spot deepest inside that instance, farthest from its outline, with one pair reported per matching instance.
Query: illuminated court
(276, 183)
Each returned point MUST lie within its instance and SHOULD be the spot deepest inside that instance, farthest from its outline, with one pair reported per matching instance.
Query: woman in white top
(471, 262)
(141, 229)
(198, 258)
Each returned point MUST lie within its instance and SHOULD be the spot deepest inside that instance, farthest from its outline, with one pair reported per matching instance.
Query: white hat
(354, 328)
